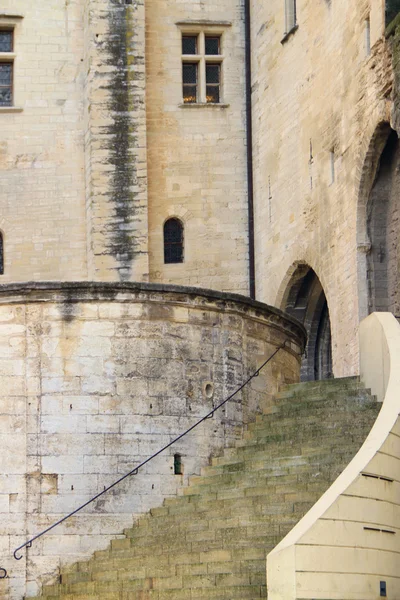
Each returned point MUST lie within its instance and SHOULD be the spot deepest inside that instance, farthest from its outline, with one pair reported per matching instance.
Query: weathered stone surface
(212, 541)
(106, 400)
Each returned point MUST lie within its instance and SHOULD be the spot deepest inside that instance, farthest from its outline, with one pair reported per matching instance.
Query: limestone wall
(197, 152)
(318, 97)
(115, 140)
(96, 378)
(41, 143)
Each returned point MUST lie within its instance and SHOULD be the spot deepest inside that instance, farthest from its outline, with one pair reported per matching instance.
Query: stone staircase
(212, 541)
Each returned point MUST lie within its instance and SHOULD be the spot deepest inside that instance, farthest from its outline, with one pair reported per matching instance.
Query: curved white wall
(349, 542)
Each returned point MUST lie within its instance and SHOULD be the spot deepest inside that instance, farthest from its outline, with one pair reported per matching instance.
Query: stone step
(211, 542)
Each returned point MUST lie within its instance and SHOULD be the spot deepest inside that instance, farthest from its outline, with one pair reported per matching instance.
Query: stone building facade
(265, 133)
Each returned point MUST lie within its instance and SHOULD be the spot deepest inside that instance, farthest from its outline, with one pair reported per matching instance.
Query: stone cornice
(87, 291)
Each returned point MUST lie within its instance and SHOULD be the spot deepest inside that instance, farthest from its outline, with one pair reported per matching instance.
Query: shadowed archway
(305, 300)
(379, 225)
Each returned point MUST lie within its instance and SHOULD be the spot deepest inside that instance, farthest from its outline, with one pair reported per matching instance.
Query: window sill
(289, 34)
(7, 56)
(203, 105)
(11, 109)
(5, 15)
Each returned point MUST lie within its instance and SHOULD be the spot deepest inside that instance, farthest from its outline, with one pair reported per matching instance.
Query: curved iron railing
(135, 471)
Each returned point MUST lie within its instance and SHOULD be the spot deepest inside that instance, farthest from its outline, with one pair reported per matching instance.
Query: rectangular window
(190, 82)
(6, 40)
(202, 68)
(6, 68)
(213, 82)
(290, 15)
(189, 44)
(212, 45)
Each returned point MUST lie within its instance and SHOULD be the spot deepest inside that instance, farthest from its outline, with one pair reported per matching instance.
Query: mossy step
(294, 424)
(271, 450)
(212, 542)
(324, 385)
(261, 461)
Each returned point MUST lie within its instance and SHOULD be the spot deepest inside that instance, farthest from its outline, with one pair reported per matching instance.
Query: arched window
(173, 241)
(1, 254)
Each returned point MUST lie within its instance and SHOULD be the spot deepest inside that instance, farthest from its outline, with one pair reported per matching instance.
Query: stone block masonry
(42, 183)
(197, 152)
(318, 92)
(95, 378)
(115, 140)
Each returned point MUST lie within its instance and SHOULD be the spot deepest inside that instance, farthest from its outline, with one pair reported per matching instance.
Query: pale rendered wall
(197, 154)
(349, 541)
(318, 86)
(95, 379)
(41, 148)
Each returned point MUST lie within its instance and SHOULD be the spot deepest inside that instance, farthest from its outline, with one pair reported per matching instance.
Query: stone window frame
(202, 29)
(10, 22)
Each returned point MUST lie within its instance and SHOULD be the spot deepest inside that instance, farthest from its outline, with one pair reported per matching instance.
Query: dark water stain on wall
(125, 105)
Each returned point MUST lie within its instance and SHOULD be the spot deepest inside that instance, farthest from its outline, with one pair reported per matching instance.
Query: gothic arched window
(173, 241)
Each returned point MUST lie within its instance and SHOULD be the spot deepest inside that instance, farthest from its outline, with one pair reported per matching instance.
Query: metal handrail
(135, 471)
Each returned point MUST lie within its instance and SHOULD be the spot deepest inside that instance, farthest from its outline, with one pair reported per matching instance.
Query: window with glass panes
(173, 241)
(201, 68)
(6, 68)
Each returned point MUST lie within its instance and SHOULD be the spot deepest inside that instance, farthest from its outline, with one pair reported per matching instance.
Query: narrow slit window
(213, 83)
(190, 82)
(367, 37)
(173, 241)
(189, 44)
(178, 466)
(290, 15)
(213, 45)
(1, 254)
(332, 164)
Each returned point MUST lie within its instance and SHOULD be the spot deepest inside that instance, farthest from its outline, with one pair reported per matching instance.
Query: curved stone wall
(94, 378)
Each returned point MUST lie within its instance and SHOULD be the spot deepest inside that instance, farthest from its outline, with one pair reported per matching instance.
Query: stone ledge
(84, 291)
(11, 109)
(203, 105)
(289, 34)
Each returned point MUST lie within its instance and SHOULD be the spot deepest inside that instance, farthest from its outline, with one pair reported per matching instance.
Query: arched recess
(379, 224)
(304, 298)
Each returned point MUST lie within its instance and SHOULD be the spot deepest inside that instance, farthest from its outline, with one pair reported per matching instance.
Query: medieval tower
(190, 189)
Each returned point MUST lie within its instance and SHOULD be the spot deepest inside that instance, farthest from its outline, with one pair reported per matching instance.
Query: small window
(290, 15)
(202, 68)
(6, 69)
(213, 82)
(212, 45)
(173, 241)
(190, 82)
(178, 466)
(6, 40)
(189, 44)
(1, 254)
